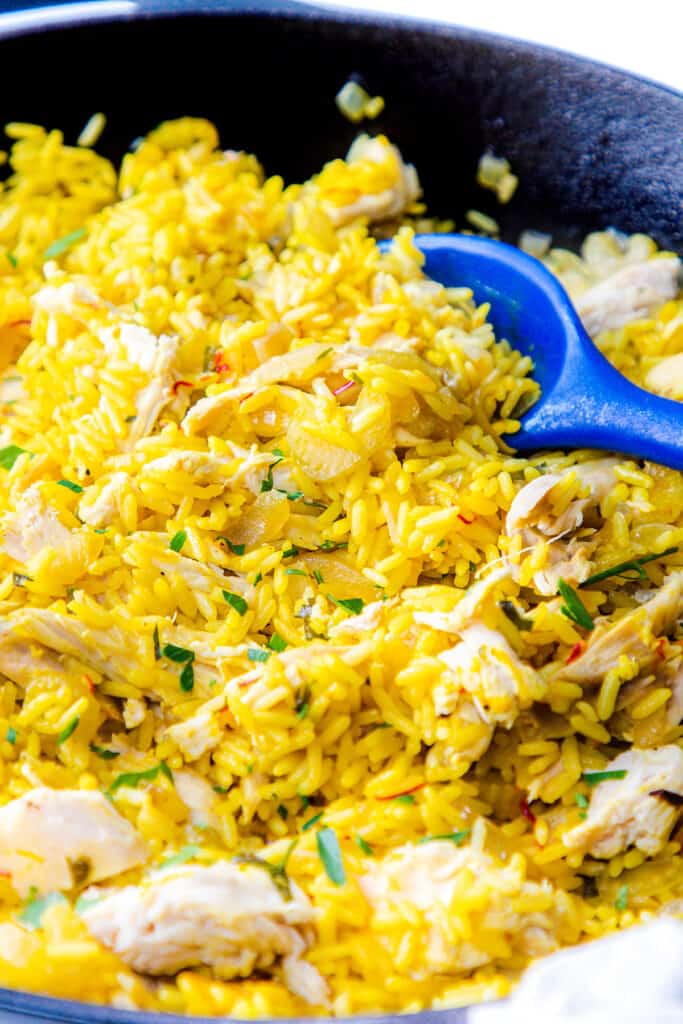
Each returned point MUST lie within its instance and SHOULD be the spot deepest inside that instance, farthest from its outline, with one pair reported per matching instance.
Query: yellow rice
(384, 480)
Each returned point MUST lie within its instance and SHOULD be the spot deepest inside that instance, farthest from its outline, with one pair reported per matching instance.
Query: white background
(645, 36)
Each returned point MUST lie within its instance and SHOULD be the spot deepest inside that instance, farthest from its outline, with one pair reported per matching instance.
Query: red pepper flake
(89, 683)
(19, 323)
(464, 519)
(576, 652)
(403, 792)
(246, 397)
(344, 387)
(181, 384)
(219, 363)
(660, 647)
(526, 811)
(5, 874)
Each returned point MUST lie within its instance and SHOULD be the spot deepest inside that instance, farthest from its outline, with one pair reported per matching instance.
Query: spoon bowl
(584, 402)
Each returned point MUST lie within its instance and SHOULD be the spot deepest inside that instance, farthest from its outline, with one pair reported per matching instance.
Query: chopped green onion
(573, 606)
(174, 653)
(63, 244)
(257, 578)
(353, 605)
(318, 577)
(277, 643)
(512, 612)
(294, 572)
(267, 482)
(301, 705)
(187, 677)
(237, 549)
(11, 735)
(334, 545)
(330, 855)
(277, 872)
(219, 789)
(76, 488)
(364, 846)
(35, 907)
(236, 602)
(282, 811)
(312, 821)
(452, 837)
(621, 902)
(581, 800)
(157, 645)
(106, 755)
(10, 454)
(305, 802)
(69, 729)
(291, 552)
(323, 354)
(133, 779)
(257, 654)
(177, 540)
(593, 778)
(633, 565)
(181, 857)
(404, 798)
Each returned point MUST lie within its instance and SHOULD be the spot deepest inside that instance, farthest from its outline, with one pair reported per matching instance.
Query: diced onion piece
(491, 170)
(535, 243)
(483, 222)
(355, 102)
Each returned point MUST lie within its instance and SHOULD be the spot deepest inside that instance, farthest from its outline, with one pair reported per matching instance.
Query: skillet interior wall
(592, 147)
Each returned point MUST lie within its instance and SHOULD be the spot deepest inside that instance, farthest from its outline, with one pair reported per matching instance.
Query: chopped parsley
(311, 821)
(452, 837)
(133, 779)
(35, 907)
(10, 454)
(106, 755)
(512, 612)
(76, 488)
(593, 778)
(177, 540)
(277, 643)
(267, 482)
(179, 654)
(282, 811)
(404, 798)
(220, 789)
(621, 902)
(181, 857)
(353, 605)
(632, 565)
(237, 549)
(258, 654)
(236, 602)
(278, 872)
(12, 259)
(187, 677)
(11, 735)
(157, 645)
(291, 552)
(573, 606)
(302, 702)
(68, 730)
(582, 803)
(364, 846)
(258, 577)
(305, 802)
(62, 245)
(330, 855)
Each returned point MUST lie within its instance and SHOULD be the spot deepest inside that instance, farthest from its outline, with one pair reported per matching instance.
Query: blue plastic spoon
(585, 402)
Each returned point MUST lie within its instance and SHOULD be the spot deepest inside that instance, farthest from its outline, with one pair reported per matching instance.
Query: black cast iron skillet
(593, 146)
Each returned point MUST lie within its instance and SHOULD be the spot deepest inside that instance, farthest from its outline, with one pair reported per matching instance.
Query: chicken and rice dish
(315, 697)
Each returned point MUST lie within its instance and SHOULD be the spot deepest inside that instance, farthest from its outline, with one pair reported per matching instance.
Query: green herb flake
(364, 846)
(157, 645)
(236, 602)
(305, 802)
(187, 853)
(311, 821)
(581, 801)
(512, 612)
(294, 572)
(237, 549)
(177, 540)
(10, 454)
(404, 798)
(187, 677)
(179, 654)
(282, 812)
(353, 605)
(35, 907)
(257, 654)
(68, 730)
(14, 262)
(318, 577)
(323, 355)
(302, 705)
(291, 495)
(220, 789)
(104, 753)
(451, 837)
(621, 902)
(62, 245)
(632, 565)
(133, 779)
(330, 855)
(334, 545)
(11, 735)
(267, 482)
(277, 643)
(291, 552)
(257, 578)
(593, 778)
(277, 872)
(76, 488)
(573, 606)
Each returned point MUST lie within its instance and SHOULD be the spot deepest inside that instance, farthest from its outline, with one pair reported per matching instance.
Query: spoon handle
(594, 406)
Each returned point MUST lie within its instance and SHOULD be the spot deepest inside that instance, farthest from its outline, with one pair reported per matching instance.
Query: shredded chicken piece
(632, 293)
(25, 662)
(155, 357)
(633, 635)
(426, 879)
(203, 467)
(485, 666)
(101, 502)
(198, 796)
(628, 812)
(34, 526)
(666, 377)
(391, 201)
(230, 917)
(200, 733)
(49, 836)
(469, 608)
